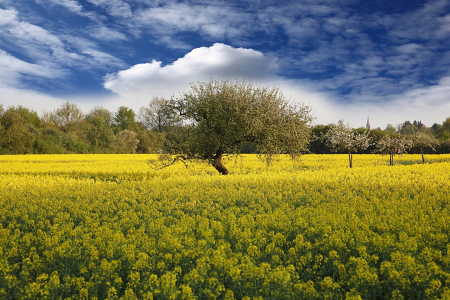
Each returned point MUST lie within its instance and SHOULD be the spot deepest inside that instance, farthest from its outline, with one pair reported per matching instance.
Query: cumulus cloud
(138, 84)
(218, 61)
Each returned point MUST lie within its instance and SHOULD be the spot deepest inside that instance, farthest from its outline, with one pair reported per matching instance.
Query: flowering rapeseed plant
(109, 227)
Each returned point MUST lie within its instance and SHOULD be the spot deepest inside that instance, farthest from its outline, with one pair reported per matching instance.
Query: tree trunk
(350, 159)
(391, 162)
(423, 158)
(218, 163)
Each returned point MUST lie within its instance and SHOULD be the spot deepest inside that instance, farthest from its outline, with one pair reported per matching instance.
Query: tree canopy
(341, 137)
(221, 116)
(393, 146)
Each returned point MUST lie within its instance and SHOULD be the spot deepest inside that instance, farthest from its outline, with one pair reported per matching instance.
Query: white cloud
(71, 5)
(11, 68)
(116, 8)
(212, 21)
(138, 84)
(106, 34)
(7, 16)
(27, 98)
(217, 61)
(45, 50)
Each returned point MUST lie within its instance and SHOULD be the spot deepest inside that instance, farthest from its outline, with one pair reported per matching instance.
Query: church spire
(368, 124)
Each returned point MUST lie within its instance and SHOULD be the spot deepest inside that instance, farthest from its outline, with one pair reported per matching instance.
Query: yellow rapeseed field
(111, 227)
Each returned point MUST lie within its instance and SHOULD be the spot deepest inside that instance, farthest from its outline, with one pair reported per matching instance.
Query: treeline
(68, 130)
(439, 132)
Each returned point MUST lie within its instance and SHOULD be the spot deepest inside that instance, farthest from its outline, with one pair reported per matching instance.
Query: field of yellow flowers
(111, 227)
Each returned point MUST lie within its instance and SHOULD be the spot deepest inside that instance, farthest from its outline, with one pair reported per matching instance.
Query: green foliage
(102, 112)
(98, 132)
(341, 137)
(221, 116)
(22, 131)
(159, 116)
(72, 143)
(49, 141)
(424, 141)
(124, 119)
(394, 146)
(390, 129)
(17, 136)
(30, 116)
(126, 141)
(67, 117)
(149, 141)
(317, 145)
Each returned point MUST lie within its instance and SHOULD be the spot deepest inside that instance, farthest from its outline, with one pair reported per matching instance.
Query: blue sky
(347, 59)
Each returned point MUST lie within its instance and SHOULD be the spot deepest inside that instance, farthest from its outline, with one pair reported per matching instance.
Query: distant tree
(126, 141)
(221, 116)
(394, 146)
(124, 119)
(375, 135)
(49, 141)
(159, 115)
(390, 129)
(317, 144)
(67, 117)
(30, 116)
(407, 128)
(17, 137)
(443, 131)
(99, 111)
(98, 130)
(72, 143)
(418, 124)
(444, 147)
(435, 127)
(424, 141)
(48, 119)
(341, 137)
(149, 141)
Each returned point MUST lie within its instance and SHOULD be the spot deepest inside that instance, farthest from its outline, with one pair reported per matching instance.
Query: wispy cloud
(11, 69)
(72, 6)
(211, 21)
(116, 8)
(102, 32)
(45, 50)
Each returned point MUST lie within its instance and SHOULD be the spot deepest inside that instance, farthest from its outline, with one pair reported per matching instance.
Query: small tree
(98, 132)
(341, 137)
(220, 116)
(124, 119)
(15, 134)
(158, 115)
(424, 141)
(126, 141)
(67, 117)
(393, 146)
